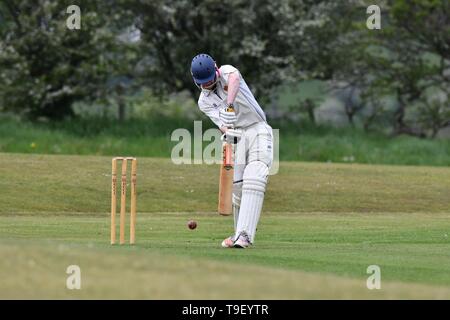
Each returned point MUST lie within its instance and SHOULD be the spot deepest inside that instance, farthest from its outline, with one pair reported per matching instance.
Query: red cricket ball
(192, 224)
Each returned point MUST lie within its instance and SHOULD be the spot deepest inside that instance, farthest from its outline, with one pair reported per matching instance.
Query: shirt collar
(208, 92)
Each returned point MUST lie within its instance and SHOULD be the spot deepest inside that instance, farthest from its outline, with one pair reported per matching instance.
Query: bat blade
(226, 181)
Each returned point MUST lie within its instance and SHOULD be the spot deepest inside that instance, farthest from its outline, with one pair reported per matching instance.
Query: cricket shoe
(243, 241)
(228, 242)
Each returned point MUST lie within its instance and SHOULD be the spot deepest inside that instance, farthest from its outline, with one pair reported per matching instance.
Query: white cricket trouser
(253, 159)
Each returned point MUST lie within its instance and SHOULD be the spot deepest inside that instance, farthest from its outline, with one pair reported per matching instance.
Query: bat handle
(228, 157)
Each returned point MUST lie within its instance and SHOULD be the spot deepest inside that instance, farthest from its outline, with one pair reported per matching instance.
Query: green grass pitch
(322, 225)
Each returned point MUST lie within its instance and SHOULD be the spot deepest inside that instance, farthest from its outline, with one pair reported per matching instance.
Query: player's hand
(228, 118)
(232, 136)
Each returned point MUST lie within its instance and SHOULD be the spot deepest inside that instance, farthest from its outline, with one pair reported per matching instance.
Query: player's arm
(233, 136)
(213, 114)
(233, 86)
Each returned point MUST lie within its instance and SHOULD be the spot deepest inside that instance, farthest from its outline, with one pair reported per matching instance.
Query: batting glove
(228, 118)
(232, 136)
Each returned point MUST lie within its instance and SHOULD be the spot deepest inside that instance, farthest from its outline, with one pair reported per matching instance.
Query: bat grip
(228, 157)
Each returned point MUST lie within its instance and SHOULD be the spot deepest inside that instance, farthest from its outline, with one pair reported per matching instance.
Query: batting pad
(253, 188)
(236, 199)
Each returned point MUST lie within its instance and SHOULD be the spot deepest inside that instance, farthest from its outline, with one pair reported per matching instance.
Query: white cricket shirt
(247, 109)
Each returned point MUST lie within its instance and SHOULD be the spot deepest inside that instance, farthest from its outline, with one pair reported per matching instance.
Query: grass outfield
(151, 138)
(322, 226)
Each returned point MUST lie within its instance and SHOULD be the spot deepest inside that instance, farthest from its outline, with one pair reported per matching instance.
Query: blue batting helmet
(203, 68)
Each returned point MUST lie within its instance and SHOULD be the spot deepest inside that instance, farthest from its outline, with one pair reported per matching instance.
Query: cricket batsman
(246, 127)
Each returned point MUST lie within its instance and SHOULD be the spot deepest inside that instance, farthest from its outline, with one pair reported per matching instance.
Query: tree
(45, 67)
(258, 37)
(404, 60)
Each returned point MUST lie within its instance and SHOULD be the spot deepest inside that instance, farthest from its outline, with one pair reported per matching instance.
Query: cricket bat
(226, 178)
